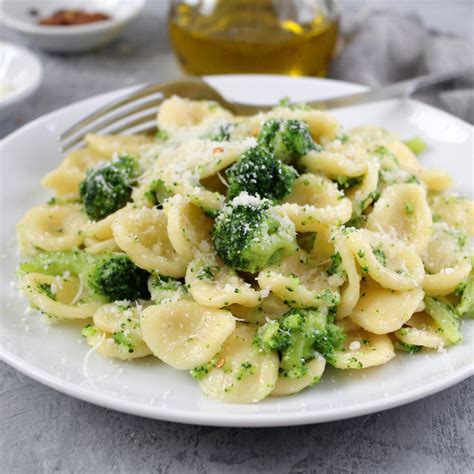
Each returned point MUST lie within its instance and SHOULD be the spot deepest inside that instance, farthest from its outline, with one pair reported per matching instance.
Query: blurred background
(372, 42)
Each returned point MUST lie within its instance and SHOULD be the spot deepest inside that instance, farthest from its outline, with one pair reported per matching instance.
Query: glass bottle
(295, 37)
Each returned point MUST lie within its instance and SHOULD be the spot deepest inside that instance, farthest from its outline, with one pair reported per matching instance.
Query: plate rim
(237, 420)
(208, 418)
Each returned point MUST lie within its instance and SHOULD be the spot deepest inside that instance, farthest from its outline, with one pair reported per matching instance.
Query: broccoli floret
(161, 135)
(287, 139)
(223, 132)
(345, 182)
(445, 316)
(165, 289)
(108, 186)
(45, 288)
(200, 372)
(108, 277)
(88, 330)
(298, 336)
(248, 235)
(124, 340)
(404, 347)
(157, 193)
(466, 291)
(416, 144)
(336, 267)
(271, 337)
(260, 174)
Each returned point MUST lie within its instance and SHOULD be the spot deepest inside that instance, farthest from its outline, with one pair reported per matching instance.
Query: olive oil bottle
(294, 37)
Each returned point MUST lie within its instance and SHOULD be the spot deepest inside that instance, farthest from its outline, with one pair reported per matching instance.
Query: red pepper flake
(218, 150)
(72, 17)
(220, 362)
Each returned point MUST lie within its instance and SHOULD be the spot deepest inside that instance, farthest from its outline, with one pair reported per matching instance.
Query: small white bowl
(16, 14)
(20, 74)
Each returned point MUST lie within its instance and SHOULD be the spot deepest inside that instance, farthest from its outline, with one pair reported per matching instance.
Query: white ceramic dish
(56, 355)
(16, 14)
(20, 74)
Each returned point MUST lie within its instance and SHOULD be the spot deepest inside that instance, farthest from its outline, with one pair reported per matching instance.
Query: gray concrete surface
(44, 431)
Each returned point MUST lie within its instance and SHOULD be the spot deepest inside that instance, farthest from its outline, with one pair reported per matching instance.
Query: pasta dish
(252, 252)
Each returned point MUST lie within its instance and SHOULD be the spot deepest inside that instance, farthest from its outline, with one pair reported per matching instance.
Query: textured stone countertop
(44, 431)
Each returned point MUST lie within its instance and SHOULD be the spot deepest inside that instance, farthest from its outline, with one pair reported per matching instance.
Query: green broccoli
(445, 316)
(260, 174)
(404, 347)
(107, 277)
(157, 193)
(288, 140)
(45, 288)
(108, 186)
(88, 330)
(200, 372)
(223, 132)
(298, 336)
(123, 339)
(416, 144)
(165, 289)
(248, 235)
(466, 291)
(346, 182)
(337, 268)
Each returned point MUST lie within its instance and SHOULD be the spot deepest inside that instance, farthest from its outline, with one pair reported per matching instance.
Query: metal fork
(136, 112)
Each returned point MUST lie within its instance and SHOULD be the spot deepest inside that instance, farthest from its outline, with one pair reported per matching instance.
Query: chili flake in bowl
(72, 17)
(90, 23)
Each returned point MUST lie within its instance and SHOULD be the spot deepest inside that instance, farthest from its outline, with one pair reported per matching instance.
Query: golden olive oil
(248, 36)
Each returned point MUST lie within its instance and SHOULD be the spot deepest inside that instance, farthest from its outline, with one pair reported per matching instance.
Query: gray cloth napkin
(381, 47)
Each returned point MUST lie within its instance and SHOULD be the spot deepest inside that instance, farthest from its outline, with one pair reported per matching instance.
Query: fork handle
(396, 90)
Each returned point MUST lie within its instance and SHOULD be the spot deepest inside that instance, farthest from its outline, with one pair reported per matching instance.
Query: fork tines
(134, 113)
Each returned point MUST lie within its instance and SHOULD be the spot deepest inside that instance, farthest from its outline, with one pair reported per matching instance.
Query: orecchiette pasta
(383, 311)
(334, 164)
(403, 213)
(117, 331)
(98, 236)
(350, 291)
(189, 229)
(213, 284)
(59, 297)
(107, 345)
(364, 349)
(287, 386)
(445, 260)
(421, 330)
(185, 334)
(51, 227)
(319, 244)
(388, 261)
(316, 201)
(299, 283)
(241, 374)
(172, 182)
(109, 145)
(271, 307)
(66, 178)
(180, 115)
(457, 211)
(143, 234)
(251, 250)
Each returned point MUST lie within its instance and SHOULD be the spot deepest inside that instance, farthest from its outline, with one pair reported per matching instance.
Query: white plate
(20, 74)
(16, 14)
(55, 355)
